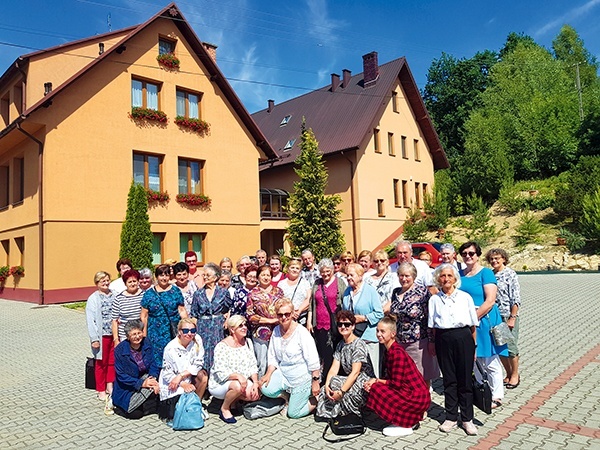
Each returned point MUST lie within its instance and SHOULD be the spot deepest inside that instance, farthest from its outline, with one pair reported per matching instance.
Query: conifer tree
(314, 216)
(136, 236)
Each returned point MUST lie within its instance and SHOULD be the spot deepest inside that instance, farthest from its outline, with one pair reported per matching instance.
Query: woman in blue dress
(480, 283)
(210, 306)
(162, 309)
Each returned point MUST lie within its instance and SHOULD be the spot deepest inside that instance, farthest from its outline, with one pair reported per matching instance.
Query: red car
(431, 247)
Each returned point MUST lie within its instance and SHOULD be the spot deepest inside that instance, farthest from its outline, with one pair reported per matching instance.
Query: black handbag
(482, 393)
(349, 425)
(90, 375)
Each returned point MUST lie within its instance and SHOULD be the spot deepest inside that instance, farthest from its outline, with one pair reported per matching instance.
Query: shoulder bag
(482, 393)
(90, 375)
(350, 425)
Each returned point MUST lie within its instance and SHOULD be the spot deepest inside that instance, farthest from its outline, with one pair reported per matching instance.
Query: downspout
(352, 209)
(40, 207)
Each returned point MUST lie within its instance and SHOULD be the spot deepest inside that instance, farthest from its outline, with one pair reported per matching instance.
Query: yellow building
(379, 146)
(70, 144)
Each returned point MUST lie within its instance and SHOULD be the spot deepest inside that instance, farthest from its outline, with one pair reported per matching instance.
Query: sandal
(496, 404)
(513, 386)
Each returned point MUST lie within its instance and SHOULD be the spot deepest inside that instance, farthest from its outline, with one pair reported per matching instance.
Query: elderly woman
(234, 374)
(480, 283)
(293, 364)
(363, 300)
(365, 259)
(126, 305)
(508, 300)
(296, 289)
(325, 302)
(185, 284)
(410, 305)
(276, 274)
(211, 306)
(182, 371)
(382, 279)
(225, 282)
(261, 315)
(162, 309)
(238, 279)
(99, 323)
(453, 318)
(240, 296)
(146, 279)
(136, 388)
(402, 397)
(426, 256)
(344, 394)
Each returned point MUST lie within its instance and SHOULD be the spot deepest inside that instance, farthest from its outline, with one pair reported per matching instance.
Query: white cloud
(321, 27)
(569, 16)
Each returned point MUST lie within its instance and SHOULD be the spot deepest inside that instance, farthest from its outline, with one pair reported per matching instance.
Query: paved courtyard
(557, 405)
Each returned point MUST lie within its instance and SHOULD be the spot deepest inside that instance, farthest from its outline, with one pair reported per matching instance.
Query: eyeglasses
(243, 325)
(347, 259)
(470, 254)
(377, 261)
(284, 315)
(344, 324)
(189, 330)
(190, 262)
(337, 263)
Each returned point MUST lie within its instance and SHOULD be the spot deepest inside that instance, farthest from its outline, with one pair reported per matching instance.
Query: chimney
(100, 48)
(370, 68)
(47, 88)
(346, 75)
(335, 81)
(271, 105)
(211, 49)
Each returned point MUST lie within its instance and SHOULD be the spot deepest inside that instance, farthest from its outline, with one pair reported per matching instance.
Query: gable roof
(173, 13)
(344, 119)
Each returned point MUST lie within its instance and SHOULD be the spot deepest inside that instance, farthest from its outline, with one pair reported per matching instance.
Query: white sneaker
(469, 428)
(397, 431)
(204, 413)
(447, 426)
(108, 406)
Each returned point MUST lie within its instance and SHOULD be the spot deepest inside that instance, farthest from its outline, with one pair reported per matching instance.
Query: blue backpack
(188, 413)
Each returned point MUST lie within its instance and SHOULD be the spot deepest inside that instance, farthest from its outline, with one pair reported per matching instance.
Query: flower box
(17, 271)
(198, 125)
(168, 60)
(4, 274)
(157, 197)
(138, 113)
(200, 200)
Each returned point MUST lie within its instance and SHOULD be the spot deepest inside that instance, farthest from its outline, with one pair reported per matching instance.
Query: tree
(513, 40)
(136, 237)
(314, 216)
(582, 179)
(568, 47)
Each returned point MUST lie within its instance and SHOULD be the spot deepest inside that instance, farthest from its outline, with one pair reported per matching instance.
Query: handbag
(90, 374)
(263, 407)
(347, 425)
(188, 413)
(482, 393)
(502, 334)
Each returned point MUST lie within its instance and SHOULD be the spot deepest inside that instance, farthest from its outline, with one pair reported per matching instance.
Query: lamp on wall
(100, 48)
(47, 88)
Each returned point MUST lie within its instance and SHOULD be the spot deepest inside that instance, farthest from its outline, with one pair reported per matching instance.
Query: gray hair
(307, 250)
(145, 273)
(438, 271)
(212, 266)
(135, 324)
(325, 263)
(497, 251)
(407, 266)
(226, 273)
(403, 243)
(447, 246)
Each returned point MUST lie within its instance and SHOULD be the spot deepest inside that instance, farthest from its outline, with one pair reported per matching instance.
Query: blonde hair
(360, 270)
(187, 320)
(283, 302)
(381, 254)
(235, 321)
(365, 253)
(100, 275)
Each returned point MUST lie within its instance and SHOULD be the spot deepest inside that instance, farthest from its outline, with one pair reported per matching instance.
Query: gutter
(40, 208)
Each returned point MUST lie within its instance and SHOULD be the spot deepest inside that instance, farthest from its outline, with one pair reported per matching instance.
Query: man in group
(310, 271)
(261, 257)
(118, 285)
(448, 254)
(196, 273)
(404, 253)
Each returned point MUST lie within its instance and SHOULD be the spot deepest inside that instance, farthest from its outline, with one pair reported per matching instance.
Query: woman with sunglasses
(294, 366)
(480, 283)
(234, 374)
(343, 394)
(382, 279)
(297, 289)
(182, 368)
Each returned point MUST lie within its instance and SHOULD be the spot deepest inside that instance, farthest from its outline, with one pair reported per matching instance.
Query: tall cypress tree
(136, 236)
(314, 216)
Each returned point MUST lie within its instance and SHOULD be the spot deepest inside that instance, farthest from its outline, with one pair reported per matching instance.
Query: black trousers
(455, 350)
(145, 409)
(325, 350)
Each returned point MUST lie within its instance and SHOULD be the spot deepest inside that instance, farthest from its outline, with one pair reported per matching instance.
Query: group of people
(335, 338)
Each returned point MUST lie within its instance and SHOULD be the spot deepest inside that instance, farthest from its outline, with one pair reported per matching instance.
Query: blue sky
(281, 49)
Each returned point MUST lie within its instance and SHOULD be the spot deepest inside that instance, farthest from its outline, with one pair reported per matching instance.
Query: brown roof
(173, 13)
(344, 119)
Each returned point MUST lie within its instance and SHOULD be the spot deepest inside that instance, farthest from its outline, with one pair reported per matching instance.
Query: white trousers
(493, 368)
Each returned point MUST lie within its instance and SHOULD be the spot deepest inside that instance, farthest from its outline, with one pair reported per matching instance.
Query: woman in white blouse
(294, 365)
(382, 279)
(234, 374)
(297, 289)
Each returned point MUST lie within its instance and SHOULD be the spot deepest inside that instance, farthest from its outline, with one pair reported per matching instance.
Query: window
(144, 94)
(18, 180)
(147, 170)
(165, 46)
(5, 244)
(380, 208)
(4, 171)
(20, 242)
(397, 203)
(376, 141)
(418, 195)
(273, 203)
(403, 140)
(405, 193)
(395, 102)
(158, 244)
(188, 104)
(190, 176)
(289, 144)
(193, 242)
(417, 155)
(425, 190)
(285, 120)
(391, 149)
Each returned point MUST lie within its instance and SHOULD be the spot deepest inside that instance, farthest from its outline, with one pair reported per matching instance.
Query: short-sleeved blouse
(509, 291)
(412, 312)
(262, 304)
(229, 360)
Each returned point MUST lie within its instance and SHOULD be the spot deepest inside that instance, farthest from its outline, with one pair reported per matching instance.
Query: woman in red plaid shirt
(403, 396)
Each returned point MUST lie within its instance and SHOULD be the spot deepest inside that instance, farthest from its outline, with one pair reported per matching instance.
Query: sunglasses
(243, 325)
(379, 261)
(344, 324)
(337, 263)
(347, 259)
(284, 315)
(468, 254)
(189, 330)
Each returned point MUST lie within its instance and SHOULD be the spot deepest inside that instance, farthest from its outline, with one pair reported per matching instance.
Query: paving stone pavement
(557, 405)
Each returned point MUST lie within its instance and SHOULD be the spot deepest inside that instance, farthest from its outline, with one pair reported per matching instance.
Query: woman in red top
(403, 397)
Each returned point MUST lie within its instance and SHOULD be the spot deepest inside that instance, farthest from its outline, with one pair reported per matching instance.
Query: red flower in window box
(200, 200)
(138, 113)
(198, 125)
(17, 271)
(157, 197)
(168, 60)
(4, 274)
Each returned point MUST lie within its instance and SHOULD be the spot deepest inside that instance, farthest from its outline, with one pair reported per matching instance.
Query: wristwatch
(316, 378)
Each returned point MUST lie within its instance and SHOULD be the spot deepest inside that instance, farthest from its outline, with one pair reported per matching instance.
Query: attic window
(165, 46)
(289, 145)
(285, 121)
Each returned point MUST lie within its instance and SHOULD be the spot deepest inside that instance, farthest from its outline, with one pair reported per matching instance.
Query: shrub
(528, 230)
(511, 200)
(414, 226)
(578, 182)
(437, 212)
(574, 241)
(590, 218)
(541, 201)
